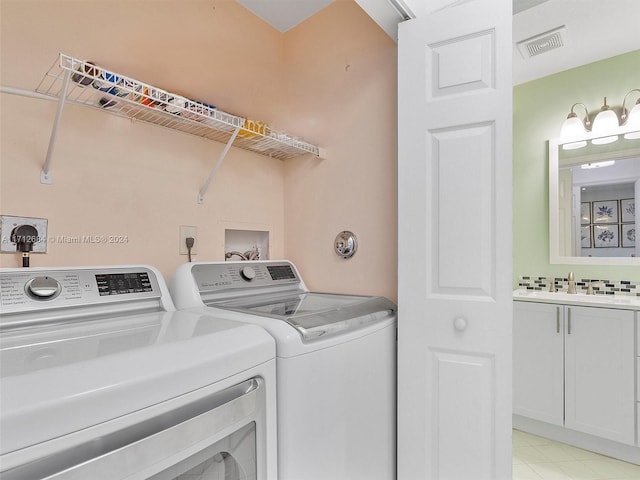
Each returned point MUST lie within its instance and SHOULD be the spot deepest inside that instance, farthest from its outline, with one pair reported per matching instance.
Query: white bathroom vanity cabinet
(574, 375)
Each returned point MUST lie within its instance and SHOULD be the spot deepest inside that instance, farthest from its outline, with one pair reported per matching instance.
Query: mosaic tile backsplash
(600, 287)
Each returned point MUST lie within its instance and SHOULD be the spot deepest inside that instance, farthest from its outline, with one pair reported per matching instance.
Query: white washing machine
(102, 379)
(336, 364)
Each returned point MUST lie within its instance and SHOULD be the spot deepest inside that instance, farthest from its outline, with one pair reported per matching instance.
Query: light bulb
(605, 122)
(633, 120)
(572, 127)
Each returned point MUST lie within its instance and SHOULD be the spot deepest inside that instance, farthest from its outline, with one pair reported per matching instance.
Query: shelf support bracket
(204, 188)
(45, 174)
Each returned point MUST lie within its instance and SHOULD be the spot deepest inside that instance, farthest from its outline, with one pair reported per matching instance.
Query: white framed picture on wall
(605, 236)
(605, 211)
(628, 210)
(585, 213)
(585, 236)
(628, 236)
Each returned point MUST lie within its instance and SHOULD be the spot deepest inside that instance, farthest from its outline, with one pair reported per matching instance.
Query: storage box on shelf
(97, 87)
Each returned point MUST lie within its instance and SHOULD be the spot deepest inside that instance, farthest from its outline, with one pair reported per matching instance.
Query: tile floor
(537, 458)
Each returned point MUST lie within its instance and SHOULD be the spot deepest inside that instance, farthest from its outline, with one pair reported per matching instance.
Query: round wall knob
(346, 244)
(43, 288)
(248, 273)
(460, 324)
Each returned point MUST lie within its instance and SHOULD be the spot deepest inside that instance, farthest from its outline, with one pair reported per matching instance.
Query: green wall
(539, 108)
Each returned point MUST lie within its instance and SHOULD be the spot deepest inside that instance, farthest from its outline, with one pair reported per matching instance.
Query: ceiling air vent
(542, 43)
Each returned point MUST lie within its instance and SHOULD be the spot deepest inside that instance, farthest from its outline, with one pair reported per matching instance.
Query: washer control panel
(27, 289)
(217, 277)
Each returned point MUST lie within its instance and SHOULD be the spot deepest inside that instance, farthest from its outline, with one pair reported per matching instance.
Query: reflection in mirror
(592, 199)
(603, 208)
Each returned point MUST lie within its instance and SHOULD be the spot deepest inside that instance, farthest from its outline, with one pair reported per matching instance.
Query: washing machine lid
(315, 315)
(64, 376)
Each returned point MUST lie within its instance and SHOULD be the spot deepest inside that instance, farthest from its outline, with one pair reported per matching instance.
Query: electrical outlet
(8, 223)
(185, 232)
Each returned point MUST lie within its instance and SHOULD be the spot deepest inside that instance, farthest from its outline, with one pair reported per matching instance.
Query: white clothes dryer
(102, 379)
(336, 364)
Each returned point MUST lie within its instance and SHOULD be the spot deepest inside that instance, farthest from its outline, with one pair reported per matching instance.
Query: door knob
(460, 324)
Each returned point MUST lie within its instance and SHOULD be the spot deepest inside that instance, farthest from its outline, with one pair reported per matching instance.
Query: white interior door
(454, 196)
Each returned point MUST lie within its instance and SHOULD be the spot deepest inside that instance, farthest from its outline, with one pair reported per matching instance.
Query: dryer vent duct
(542, 43)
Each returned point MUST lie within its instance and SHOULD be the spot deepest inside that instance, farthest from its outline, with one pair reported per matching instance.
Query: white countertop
(581, 299)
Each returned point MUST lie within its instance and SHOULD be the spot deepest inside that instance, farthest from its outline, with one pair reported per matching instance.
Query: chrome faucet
(571, 285)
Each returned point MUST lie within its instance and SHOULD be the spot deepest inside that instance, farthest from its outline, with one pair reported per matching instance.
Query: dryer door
(216, 435)
(232, 458)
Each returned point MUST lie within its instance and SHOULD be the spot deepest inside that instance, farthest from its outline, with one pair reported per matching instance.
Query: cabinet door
(599, 370)
(538, 362)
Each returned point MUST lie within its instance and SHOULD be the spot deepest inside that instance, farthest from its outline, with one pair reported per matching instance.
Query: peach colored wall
(330, 80)
(352, 111)
(113, 176)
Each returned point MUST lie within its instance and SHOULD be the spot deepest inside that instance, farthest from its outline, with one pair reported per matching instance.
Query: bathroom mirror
(592, 199)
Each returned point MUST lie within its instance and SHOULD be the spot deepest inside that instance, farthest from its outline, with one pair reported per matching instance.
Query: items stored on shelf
(94, 86)
(81, 82)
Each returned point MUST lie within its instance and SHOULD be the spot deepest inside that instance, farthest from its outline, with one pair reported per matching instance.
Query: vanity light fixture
(574, 127)
(606, 121)
(631, 118)
(605, 125)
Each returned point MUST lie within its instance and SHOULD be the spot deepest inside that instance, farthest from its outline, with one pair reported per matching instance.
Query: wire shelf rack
(117, 94)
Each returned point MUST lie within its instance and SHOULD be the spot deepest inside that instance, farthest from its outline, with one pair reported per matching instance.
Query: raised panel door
(454, 226)
(538, 361)
(599, 372)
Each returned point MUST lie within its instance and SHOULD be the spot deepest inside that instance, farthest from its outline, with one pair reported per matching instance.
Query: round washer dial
(43, 288)
(248, 273)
